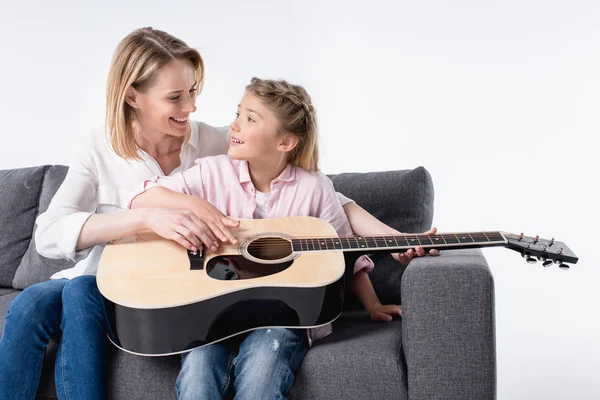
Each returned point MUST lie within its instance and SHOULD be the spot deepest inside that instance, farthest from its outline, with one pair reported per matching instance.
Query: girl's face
(164, 108)
(254, 133)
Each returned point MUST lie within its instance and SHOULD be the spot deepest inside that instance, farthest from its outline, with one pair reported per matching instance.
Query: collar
(287, 175)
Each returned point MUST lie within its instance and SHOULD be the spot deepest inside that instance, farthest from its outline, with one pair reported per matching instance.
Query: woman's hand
(187, 229)
(408, 255)
(379, 312)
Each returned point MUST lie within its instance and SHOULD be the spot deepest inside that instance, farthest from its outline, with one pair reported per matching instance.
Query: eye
(237, 115)
(250, 119)
(174, 98)
(192, 90)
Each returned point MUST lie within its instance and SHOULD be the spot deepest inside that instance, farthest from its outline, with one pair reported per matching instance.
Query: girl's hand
(214, 223)
(182, 226)
(385, 313)
(405, 257)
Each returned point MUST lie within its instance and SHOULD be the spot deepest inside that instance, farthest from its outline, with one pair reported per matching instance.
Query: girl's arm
(362, 287)
(365, 224)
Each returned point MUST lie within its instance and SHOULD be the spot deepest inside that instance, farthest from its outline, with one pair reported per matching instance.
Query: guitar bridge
(196, 259)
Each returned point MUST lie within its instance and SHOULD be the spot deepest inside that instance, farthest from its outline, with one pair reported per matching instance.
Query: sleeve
(330, 210)
(75, 201)
(343, 199)
(186, 182)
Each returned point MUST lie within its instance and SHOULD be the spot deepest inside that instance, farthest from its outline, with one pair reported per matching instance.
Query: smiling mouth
(236, 140)
(180, 120)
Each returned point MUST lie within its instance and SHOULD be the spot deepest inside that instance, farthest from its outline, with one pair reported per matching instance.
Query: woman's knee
(42, 298)
(82, 287)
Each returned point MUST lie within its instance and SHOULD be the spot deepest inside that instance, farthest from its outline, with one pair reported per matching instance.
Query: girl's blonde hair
(136, 63)
(295, 113)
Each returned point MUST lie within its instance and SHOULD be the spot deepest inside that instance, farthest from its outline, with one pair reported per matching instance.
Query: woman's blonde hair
(136, 63)
(295, 113)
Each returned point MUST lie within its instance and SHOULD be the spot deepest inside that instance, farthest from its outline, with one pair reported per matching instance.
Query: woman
(152, 86)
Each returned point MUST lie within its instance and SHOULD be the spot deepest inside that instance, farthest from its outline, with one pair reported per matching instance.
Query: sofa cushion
(35, 268)
(362, 359)
(6, 296)
(401, 199)
(19, 194)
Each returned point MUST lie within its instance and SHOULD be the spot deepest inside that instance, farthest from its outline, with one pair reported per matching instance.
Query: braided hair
(295, 113)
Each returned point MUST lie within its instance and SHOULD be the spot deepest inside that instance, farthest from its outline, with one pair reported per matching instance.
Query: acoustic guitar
(291, 272)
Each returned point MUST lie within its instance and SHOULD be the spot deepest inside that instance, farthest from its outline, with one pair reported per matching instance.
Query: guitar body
(162, 299)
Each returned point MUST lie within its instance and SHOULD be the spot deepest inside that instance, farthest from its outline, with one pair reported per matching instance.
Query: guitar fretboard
(398, 242)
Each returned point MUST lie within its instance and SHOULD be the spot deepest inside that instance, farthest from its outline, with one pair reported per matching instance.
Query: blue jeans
(38, 314)
(261, 365)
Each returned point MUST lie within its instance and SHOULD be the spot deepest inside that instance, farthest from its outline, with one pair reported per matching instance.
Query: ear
(131, 97)
(288, 142)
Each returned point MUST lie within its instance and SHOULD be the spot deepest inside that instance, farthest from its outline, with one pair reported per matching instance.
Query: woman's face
(254, 132)
(164, 108)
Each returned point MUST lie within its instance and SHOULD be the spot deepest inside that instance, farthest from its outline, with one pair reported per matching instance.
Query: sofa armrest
(448, 327)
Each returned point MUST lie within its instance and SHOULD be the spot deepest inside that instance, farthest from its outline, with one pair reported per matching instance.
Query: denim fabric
(38, 314)
(260, 365)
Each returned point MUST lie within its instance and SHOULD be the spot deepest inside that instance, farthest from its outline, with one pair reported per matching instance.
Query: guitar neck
(394, 243)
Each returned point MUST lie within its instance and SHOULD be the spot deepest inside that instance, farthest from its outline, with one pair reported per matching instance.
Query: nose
(234, 126)
(190, 105)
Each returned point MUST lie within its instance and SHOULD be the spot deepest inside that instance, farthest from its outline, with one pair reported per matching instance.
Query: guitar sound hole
(270, 248)
(229, 268)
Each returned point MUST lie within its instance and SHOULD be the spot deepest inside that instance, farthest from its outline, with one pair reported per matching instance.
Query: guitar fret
(401, 241)
(464, 239)
(381, 241)
(450, 238)
(424, 240)
(337, 244)
(371, 242)
(360, 241)
(329, 242)
(438, 239)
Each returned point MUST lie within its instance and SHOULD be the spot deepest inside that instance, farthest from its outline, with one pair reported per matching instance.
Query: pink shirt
(226, 184)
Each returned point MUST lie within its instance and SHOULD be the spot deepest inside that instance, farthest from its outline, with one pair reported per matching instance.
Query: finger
(380, 316)
(225, 234)
(181, 239)
(186, 233)
(228, 221)
(420, 252)
(432, 231)
(434, 252)
(203, 232)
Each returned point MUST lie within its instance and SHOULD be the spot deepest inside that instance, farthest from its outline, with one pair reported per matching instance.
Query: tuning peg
(520, 237)
(545, 262)
(551, 242)
(537, 239)
(564, 266)
(529, 258)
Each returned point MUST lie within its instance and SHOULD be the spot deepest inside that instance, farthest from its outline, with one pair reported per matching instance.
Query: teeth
(184, 119)
(237, 141)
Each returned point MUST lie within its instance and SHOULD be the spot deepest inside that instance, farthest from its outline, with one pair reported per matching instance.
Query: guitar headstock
(534, 249)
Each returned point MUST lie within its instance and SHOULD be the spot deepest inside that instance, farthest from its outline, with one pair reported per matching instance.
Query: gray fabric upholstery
(5, 299)
(448, 327)
(404, 201)
(443, 348)
(33, 267)
(360, 360)
(19, 194)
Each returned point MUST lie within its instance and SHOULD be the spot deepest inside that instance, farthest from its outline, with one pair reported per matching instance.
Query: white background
(499, 100)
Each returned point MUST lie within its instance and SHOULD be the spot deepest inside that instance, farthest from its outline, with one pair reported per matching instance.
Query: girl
(272, 171)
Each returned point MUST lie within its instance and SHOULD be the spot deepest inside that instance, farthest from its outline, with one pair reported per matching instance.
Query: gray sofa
(443, 348)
